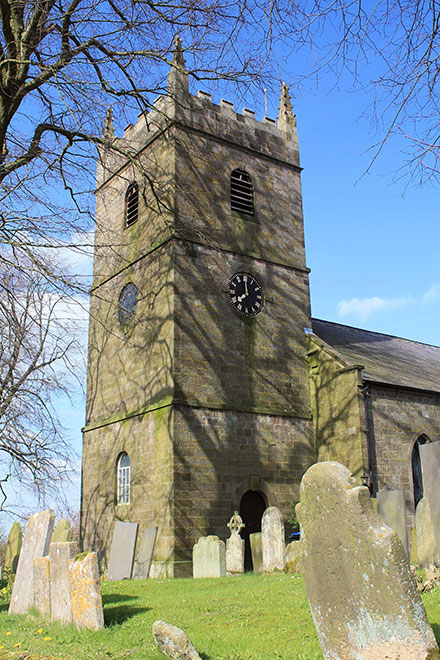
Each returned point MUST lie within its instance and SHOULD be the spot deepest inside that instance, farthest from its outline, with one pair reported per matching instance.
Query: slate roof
(384, 358)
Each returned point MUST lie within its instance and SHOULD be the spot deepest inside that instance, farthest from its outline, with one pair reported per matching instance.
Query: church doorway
(416, 465)
(252, 507)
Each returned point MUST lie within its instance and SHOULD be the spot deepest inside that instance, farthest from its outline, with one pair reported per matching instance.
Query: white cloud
(364, 308)
(431, 295)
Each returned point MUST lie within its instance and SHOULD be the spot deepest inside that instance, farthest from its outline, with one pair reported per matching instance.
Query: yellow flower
(47, 639)
(9, 632)
(1, 646)
(17, 644)
(40, 630)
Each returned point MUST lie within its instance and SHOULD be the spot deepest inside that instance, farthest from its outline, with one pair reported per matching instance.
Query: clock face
(245, 294)
(127, 303)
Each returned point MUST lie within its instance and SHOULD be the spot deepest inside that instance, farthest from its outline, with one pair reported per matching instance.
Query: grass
(251, 617)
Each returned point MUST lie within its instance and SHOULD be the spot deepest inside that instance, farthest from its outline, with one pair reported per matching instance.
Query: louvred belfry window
(131, 204)
(242, 192)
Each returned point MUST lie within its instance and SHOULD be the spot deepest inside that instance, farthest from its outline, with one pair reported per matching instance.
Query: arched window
(123, 479)
(131, 204)
(416, 465)
(242, 192)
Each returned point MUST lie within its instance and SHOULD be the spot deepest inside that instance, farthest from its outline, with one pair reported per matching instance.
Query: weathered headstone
(63, 532)
(256, 542)
(426, 545)
(430, 458)
(42, 585)
(391, 508)
(413, 556)
(272, 530)
(174, 642)
(235, 546)
(122, 551)
(37, 535)
(13, 550)
(85, 591)
(361, 593)
(60, 555)
(292, 557)
(209, 557)
(141, 568)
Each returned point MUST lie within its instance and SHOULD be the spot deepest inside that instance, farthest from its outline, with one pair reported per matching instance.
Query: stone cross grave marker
(209, 557)
(272, 529)
(85, 592)
(37, 535)
(122, 550)
(142, 565)
(60, 555)
(235, 546)
(391, 508)
(13, 550)
(363, 598)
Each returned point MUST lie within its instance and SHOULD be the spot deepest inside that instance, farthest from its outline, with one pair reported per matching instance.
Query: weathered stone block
(122, 550)
(85, 592)
(369, 607)
(63, 532)
(209, 557)
(292, 553)
(391, 508)
(141, 568)
(272, 530)
(37, 535)
(173, 642)
(256, 543)
(426, 543)
(42, 585)
(60, 555)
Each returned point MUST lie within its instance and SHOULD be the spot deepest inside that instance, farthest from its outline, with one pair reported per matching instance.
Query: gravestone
(60, 555)
(426, 545)
(63, 532)
(256, 543)
(85, 591)
(173, 642)
(209, 557)
(235, 546)
(430, 458)
(141, 568)
(122, 550)
(272, 530)
(13, 548)
(42, 586)
(36, 540)
(292, 557)
(391, 508)
(363, 598)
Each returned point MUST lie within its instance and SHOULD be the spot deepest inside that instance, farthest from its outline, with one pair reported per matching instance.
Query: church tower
(197, 395)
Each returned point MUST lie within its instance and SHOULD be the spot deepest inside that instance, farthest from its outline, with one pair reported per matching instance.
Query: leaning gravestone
(292, 557)
(142, 565)
(85, 591)
(256, 543)
(209, 557)
(370, 608)
(430, 458)
(235, 546)
(42, 586)
(391, 508)
(13, 550)
(426, 545)
(37, 535)
(60, 555)
(122, 551)
(173, 642)
(272, 530)
(63, 532)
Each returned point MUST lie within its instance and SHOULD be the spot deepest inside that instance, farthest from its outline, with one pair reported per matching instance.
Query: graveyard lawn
(249, 617)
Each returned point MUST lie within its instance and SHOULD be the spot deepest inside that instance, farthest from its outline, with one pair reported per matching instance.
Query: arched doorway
(252, 507)
(416, 466)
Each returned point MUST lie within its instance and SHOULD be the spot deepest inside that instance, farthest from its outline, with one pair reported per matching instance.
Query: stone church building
(210, 387)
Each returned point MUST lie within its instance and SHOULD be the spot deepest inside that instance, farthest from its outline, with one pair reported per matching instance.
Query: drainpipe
(369, 435)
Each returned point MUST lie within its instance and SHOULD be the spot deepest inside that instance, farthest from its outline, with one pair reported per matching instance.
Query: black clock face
(127, 303)
(245, 294)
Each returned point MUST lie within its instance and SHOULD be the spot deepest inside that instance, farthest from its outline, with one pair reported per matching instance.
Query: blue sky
(372, 245)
